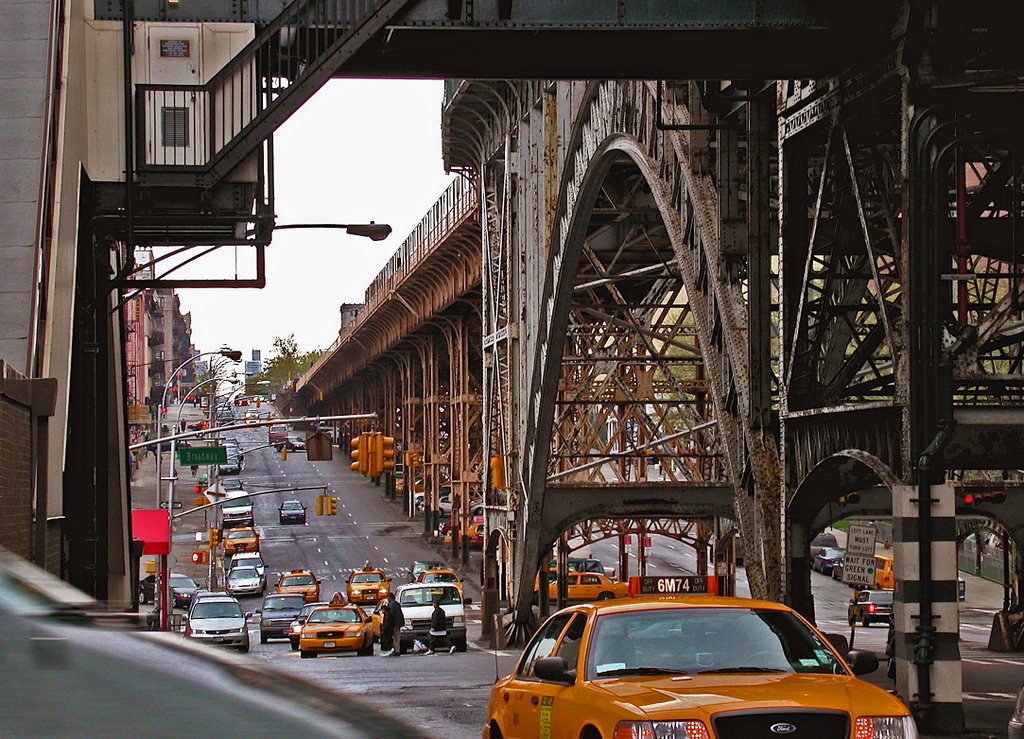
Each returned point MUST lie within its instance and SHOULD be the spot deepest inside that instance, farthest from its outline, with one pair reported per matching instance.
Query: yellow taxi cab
(336, 627)
(301, 582)
(377, 618)
(585, 586)
(689, 666)
(244, 539)
(440, 574)
(368, 585)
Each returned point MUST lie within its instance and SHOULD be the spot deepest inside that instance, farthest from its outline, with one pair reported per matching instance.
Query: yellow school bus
(884, 578)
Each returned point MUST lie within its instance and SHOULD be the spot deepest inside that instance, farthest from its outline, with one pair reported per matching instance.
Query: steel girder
(645, 336)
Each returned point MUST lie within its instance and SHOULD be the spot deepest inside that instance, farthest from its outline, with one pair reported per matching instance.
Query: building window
(175, 126)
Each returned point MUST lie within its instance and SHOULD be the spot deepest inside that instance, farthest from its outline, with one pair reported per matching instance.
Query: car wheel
(606, 596)
(263, 638)
(307, 655)
(367, 650)
(244, 648)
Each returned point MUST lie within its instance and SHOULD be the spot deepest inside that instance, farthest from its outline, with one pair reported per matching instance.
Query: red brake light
(871, 607)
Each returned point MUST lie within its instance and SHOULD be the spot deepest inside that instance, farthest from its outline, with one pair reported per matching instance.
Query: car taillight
(871, 607)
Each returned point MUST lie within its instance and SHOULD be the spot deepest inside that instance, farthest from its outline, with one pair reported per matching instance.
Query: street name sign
(203, 455)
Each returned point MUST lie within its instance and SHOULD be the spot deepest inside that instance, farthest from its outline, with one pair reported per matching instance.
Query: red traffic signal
(968, 499)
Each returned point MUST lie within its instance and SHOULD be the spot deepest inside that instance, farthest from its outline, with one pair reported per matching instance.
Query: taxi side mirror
(554, 669)
(862, 662)
(839, 642)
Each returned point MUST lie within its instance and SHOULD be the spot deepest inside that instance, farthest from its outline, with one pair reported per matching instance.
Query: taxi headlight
(382, 591)
(296, 627)
(885, 727)
(690, 729)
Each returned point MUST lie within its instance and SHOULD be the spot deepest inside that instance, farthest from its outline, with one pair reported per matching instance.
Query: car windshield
(284, 603)
(243, 573)
(831, 553)
(706, 640)
(333, 616)
(293, 505)
(882, 597)
(368, 577)
(240, 534)
(216, 610)
(426, 596)
(292, 580)
(440, 577)
(824, 540)
(309, 608)
(247, 561)
(180, 581)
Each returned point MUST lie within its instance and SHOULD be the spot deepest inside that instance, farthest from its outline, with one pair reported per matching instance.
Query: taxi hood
(669, 696)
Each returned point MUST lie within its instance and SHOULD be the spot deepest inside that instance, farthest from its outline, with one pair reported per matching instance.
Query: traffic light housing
(361, 454)
(412, 459)
(214, 538)
(331, 505)
(284, 453)
(320, 505)
(989, 496)
(497, 472)
(384, 459)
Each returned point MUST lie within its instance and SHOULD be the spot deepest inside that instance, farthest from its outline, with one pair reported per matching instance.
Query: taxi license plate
(218, 638)
(328, 644)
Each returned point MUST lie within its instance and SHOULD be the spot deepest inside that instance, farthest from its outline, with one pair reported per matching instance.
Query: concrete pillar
(940, 711)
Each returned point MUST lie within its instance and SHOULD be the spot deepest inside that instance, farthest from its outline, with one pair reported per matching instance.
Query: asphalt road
(446, 695)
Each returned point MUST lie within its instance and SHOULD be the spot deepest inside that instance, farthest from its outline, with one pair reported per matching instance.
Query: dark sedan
(871, 606)
(279, 610)
(291, 511)
(183, 587)
(826, 559)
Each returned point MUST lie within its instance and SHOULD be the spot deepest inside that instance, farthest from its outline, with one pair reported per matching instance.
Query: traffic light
(991, 497)
(214, 538)
(331, 505)
(200, 557)
(384, 458)
(284, 452)
(412, 459)
(200, 500)
(497, 472)
(320, 505)
(361, 454)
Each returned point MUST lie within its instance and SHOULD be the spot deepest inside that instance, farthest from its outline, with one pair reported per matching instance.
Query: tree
(287, 364)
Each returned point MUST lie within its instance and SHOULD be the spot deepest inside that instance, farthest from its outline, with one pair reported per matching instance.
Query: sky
(358, 151)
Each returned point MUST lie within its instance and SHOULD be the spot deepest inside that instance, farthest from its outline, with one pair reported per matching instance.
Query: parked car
(242, 539)
(277, 614)
(219, 621)
(871, 606)
(291, 511)
(184, 589)
(821, 541)
(243, 581)
(837, 569)
(336, 627)
(826, 559)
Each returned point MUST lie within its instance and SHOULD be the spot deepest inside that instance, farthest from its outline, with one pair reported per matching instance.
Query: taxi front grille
(788, 724)
(330, 635)
(219, 632)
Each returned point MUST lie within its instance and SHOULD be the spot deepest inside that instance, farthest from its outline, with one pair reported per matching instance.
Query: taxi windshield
(240, 534)
(704, 641)
(334, 616)
(439, 577)
(368, 577)
(296, 580)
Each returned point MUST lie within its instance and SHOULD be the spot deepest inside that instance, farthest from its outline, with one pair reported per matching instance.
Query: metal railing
(457, 202)
(181, 127)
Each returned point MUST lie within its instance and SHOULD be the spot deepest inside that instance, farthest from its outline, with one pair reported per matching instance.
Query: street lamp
(371, 230)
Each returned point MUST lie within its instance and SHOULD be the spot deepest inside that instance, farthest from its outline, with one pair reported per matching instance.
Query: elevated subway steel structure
(630, 284)
(413, 356)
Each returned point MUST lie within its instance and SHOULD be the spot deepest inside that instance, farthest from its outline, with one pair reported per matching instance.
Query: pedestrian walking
(439, 631)
(394, 620)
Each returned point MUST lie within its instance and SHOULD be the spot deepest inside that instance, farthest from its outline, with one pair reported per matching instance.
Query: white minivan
(417, 601)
